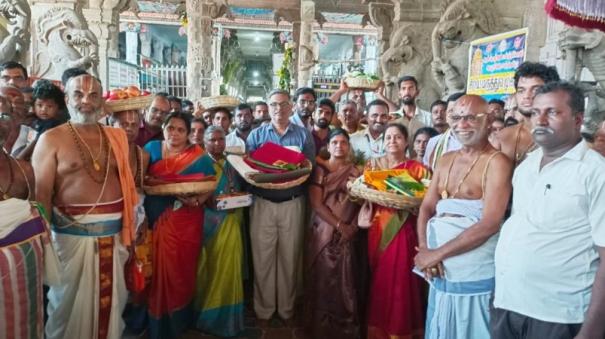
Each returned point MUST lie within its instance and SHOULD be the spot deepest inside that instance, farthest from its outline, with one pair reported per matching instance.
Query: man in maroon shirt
(151, 129)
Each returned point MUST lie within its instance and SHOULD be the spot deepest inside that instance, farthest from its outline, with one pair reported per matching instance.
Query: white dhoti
(458, 306)
(89, 301)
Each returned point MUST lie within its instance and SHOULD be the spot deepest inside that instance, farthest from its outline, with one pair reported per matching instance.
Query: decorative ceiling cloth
(580, 13)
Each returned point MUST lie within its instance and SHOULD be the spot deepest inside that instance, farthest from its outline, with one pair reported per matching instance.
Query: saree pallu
(176, 239)
(219, 301)
(396, 308)
(331, 296)
(90, 299)
(459, 302)
(21, 271)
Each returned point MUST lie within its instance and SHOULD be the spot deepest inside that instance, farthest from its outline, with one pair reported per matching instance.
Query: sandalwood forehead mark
(131, 116)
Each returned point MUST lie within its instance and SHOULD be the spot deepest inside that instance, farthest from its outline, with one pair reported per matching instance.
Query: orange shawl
(119, 145)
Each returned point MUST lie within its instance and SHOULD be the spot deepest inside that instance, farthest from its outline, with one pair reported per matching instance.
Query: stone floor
(275, 330)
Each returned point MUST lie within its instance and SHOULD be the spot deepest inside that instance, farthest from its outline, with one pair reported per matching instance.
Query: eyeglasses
(470, 118)
(155, 110)
(276, 105)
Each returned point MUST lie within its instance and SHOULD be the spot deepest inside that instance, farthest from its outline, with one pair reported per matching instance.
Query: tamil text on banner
(492, 63)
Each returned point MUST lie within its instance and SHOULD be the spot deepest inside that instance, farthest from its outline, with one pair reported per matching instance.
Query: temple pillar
(103, 17)
(534, 18)
(382, 15)
(306, 58)
(200, 65)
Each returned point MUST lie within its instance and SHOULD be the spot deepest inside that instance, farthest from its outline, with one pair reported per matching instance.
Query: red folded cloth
(274, 155)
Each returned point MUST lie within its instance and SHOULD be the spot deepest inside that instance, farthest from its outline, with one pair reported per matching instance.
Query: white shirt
(363, 142)
(452, 144)
(545, 258)
(420, 115)
(296, 119)
(234, 144)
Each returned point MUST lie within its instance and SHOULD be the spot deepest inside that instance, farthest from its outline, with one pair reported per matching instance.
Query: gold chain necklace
(444, 193)
(83, 156)
(5, 193)
(95, 162)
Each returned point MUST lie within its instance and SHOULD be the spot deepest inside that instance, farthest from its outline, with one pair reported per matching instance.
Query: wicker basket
(247, 172)
(135, 103)
(226, 101)
(358, 189)
(184, 188)
(363, 83)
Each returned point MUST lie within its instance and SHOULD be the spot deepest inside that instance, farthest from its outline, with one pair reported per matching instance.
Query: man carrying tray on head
(276, 218)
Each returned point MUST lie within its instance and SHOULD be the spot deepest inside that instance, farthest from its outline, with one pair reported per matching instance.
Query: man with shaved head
(458, 224)
(84, 183)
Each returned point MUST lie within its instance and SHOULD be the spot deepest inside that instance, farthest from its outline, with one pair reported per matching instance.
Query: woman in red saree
(396, 305)
(177, 231)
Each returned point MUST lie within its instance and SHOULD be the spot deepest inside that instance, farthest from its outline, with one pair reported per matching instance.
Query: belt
(280, 200)
(66, 225)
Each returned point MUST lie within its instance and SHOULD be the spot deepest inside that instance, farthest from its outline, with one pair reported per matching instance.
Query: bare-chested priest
(83, 179)
(516, 141)
(458, 224)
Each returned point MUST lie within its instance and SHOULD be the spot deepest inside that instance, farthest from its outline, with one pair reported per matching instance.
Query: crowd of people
(509, 241)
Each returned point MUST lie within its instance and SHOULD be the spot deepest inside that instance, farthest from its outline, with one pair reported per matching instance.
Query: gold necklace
(95, 162)
(444, 193)
(85, 163)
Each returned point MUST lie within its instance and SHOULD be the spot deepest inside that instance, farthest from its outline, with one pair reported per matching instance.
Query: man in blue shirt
(305, 103)
(277, 219)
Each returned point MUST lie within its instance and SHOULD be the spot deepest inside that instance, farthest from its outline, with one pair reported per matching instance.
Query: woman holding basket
(176, 222)
(395, 308)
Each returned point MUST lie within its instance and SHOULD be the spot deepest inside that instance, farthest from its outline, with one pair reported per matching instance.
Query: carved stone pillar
(200, 65)
(381, 16)
(103, 17)
(535, 19)
(306, 59)
(52, 52)
(296, 45)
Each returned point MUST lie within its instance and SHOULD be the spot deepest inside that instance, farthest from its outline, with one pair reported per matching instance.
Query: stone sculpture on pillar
(14, 40)
(584, 48)
(64, 41)
(200, 65)
(381, 16)
(103, 19)
(410, 54)
(462, 22)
